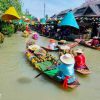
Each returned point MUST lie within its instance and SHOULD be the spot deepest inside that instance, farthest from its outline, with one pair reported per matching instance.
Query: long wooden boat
(83, 42)
(47, 49)
(61, 42)
(70, 45)
(83, 71)
(46, 65)
(86, 45)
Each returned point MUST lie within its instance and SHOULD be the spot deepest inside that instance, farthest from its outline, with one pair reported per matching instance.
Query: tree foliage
(5, 4)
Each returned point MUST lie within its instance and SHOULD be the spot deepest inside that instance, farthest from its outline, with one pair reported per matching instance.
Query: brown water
(17, 76)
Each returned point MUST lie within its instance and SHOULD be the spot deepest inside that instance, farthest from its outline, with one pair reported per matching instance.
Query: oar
(40, 73)
(46, 70)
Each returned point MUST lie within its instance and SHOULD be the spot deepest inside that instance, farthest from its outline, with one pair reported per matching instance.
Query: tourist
(80, 60)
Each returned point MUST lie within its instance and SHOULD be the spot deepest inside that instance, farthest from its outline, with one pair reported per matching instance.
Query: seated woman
(66, 69)
(28, 29)
(80, 60)
(30, 42)
(52, 45)
(95, 42)
(35, 36)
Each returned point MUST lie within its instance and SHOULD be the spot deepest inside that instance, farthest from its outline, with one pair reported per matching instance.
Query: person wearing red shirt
(80, 60)
(95, 41)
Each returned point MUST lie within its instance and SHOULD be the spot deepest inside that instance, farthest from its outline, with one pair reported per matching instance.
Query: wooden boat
(46, 65)
(70, 45)
(61, 42)
(87, 45)
(96, 48)
(47, 49)
(83, 71)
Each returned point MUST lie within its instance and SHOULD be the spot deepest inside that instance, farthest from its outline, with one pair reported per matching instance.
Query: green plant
(21, 27)
(8, 29)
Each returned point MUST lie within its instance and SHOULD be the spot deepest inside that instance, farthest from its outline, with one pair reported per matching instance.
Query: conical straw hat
(10, 14)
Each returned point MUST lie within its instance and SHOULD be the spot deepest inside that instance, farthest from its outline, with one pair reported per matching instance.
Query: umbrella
(27, 20)
(43, 21)
(10, 14)
(69, 20)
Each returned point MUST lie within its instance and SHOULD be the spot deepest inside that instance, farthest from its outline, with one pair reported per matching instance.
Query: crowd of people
(68, 33)
(55, 31)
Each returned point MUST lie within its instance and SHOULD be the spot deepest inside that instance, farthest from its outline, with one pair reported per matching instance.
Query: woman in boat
(30, 42)
(27, 28)
(52, 45)
(80, 60)
(35, 36)
(95, 42)
(66, 69)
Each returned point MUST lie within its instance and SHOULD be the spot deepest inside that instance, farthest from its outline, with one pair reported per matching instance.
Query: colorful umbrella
(69, 20)
(10, 14)
(27, 20)
(43, 21)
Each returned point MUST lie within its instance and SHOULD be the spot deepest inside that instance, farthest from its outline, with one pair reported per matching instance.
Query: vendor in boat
(95, 42)
(28, 29)
(66, 69)
(30, 42)
(80, 60)
(35, 36)
(52, 45)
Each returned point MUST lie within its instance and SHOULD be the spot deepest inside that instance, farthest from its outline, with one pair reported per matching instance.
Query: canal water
(17, 80)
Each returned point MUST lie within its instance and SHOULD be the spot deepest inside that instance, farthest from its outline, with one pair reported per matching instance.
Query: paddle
(40, 73)
(49, 68)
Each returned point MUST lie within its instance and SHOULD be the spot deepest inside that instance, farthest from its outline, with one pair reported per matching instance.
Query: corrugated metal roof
(93, 6)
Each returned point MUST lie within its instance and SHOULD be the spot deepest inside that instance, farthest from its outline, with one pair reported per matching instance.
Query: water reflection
(24, 80)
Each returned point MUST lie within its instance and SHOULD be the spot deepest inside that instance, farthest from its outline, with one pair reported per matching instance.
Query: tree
(5, 4)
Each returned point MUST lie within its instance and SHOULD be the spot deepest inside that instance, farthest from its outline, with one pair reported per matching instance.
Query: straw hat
(79, 51)
(52, 41)
(67, 59)
(34, 47)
